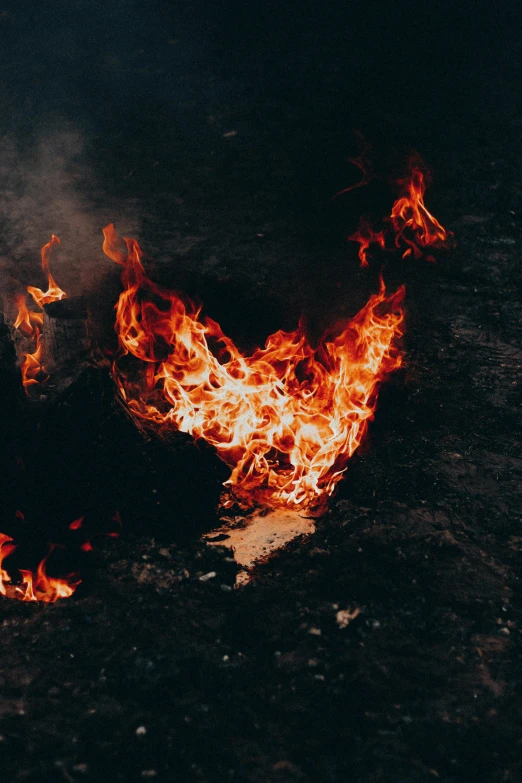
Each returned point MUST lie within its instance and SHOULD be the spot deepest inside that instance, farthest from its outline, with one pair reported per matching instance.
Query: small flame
(54, 293)
(7, 547)
(367, 236)
(32, 367)
(413, 224)
(287, 418)
(410, 222)
(37, 586)
(26, 319)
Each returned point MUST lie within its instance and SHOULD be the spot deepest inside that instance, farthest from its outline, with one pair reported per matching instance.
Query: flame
(37, 586)
(32, 366)
(412, 222)
(6, 548)
(26, 318)
(285, 419)
(54, 293)
(367, 236)
(29, 322)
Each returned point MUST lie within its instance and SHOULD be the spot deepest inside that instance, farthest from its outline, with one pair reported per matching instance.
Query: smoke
(48, 187)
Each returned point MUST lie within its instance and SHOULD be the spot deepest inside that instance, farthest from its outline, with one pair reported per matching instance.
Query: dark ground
(151, 673)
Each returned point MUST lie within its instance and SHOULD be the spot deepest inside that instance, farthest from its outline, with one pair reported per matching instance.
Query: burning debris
(285, 418)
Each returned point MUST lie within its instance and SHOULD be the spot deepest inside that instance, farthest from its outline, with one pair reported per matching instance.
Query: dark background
(154, 71)
(148, 90)
(120, 112)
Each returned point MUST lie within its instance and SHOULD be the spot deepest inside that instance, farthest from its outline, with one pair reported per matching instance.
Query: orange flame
(34, 587)
(6, 548)
(366, 236)
(412, 222)
(287, 418)
(28, 322)
(54, 293)
(32, 366)
(26, 318)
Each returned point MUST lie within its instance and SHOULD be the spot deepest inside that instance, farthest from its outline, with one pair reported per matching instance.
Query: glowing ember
(286, 419)
(37, 586)
(29, 322)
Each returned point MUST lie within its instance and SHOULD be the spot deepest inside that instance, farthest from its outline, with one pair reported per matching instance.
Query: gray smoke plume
(47, 187)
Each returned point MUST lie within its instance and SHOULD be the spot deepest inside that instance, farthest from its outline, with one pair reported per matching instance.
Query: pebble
(345, 616)
(206, 577)
(141, 731)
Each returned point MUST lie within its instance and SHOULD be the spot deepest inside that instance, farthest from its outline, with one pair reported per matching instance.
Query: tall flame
(287, 418)
(29, 322)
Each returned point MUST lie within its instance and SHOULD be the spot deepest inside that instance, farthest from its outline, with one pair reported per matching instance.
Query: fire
(37, 586)
(29, 322)
(411, 226)
(367, 236)
(33, 371)
(286, 419)
(54, 293)
(26, 319)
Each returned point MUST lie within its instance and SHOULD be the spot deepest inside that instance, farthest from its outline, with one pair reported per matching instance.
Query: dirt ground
(151, 672)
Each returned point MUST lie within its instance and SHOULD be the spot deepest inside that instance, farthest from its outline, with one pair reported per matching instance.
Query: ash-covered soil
(387, 646)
